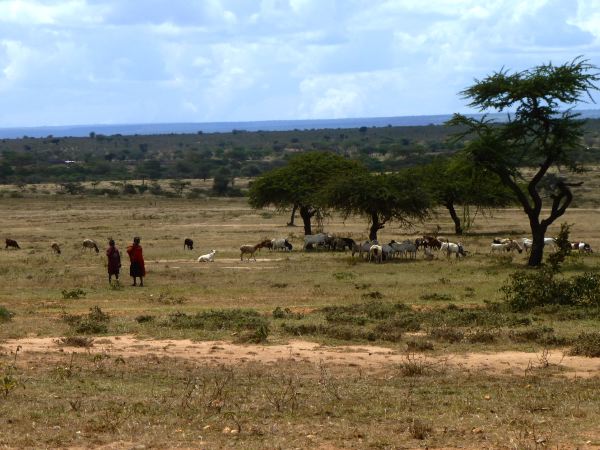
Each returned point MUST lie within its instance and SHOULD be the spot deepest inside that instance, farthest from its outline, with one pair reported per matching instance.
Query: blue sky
(137, 61)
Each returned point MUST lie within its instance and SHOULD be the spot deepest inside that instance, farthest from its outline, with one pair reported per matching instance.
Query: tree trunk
(457, 226)
(538, 232)
(306, 215)
(376, 225)
(293, 217)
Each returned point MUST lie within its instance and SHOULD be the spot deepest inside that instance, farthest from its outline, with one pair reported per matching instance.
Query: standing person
(137, 268)
(114, 261)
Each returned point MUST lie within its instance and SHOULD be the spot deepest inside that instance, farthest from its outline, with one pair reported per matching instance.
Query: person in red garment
(114, 261)
(137, 268)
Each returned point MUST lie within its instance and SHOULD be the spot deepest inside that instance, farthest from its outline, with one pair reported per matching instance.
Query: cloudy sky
(138, 61)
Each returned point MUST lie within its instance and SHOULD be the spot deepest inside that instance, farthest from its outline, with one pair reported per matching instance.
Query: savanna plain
(294, 350)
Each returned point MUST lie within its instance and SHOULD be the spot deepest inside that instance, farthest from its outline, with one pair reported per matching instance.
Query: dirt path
(367, 357)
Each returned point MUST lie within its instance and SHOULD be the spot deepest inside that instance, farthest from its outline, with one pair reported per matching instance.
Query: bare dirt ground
(363, 356)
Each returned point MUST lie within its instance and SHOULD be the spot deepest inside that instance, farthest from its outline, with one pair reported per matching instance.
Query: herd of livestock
(373, 251)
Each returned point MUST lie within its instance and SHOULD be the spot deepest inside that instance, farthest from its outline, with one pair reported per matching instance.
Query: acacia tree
(298, 184)
(539, 134)
(380, 197)
(457, 182)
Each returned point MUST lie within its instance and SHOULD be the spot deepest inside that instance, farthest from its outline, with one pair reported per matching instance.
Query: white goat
(209, 257)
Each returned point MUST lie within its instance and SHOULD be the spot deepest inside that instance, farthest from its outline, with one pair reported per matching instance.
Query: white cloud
(106, 60)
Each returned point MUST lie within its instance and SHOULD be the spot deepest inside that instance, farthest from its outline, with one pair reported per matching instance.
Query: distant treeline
(225, 155)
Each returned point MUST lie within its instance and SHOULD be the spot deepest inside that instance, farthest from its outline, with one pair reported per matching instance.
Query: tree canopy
(379, 197)
(457, 182)
(540, 131)
(299, 184)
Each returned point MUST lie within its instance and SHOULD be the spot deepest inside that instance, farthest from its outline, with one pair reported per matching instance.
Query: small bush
(76, 341)
(436, 297)
(343, 275)
(224, 319)
(587, 344)
(287, 313)
(446, 334)
(73, 293)
(94, 322)
(144, 318)
(5, 314)
(479, 336)
(419, 429)
(418, 345)
(539, 335)
(256, 336)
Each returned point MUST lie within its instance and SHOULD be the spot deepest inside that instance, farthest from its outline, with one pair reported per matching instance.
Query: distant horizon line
(150, 128)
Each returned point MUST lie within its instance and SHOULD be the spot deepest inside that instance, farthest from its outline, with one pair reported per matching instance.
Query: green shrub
(224, 319)
(446, 334)
(287, 313)
(436, 297)
(587, 344)
(143, 318)
(527, 290)
(73, 293)
(418, 345)
(96, 321)
(5, 314)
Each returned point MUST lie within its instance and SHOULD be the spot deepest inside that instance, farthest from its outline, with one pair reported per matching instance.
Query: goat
(450, 247)
(582, 247)
(528, 243)
(250, 250)
(90, 244)
(376, 253)
(428, 241)
(12, 243)
(281, 244)
(314, 239)
(209, 257)
(188, 244)
(55, 247)
(341, 243)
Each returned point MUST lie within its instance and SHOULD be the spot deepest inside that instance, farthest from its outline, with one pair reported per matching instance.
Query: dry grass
(96, 399)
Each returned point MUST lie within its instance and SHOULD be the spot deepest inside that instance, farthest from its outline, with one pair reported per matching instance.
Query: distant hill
(227, 127)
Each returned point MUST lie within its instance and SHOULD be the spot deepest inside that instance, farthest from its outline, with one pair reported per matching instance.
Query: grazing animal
(209, 257)
(341, 243)
(497, 247)
(266, 243)
(405, 249)
(90, 244)
(188, 244)
(527, 244)
(250, 250)
(427, 253)
(315, 240)
(376, 253)
(450, 247)
(363, 248)
(281, 244)
(55, 247)
(12, 243)
(388, 251)
(428, 241)
(551, 242)
(505, 245)
(582, 247)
